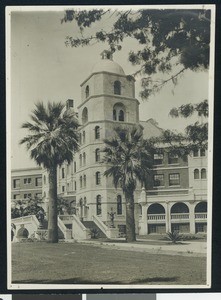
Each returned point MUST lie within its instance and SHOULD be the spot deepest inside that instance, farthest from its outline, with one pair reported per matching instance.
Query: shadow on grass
(78, 280)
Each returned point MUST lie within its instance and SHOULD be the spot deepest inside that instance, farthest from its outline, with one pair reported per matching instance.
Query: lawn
(76, 263)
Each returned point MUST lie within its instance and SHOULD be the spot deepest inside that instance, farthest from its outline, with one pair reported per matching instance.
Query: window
(97, 155)
(117, 87)
(121, 115)
(83, 137)
(16, 183)
(174, 179)
(80, 158)
(98, 178)
(196, 174)
(84, 158)
(84, 115)
(38, 195)
(80, 138)
(202, 152)
(87, 91)
(203, 174)
(75, 185)
(75, 167)
(158, 180)
(140, 209)
(172, 159)
(85, 180)
(27, 196)
(81, 182)
(63, 188)
(27, 180)
(97, 132)
(119, 205)
(62, 173)
(119, 112)
(158, 159)
(38, 181)
(16, 196)
(98, 205)
(195, 153)
(114, 115)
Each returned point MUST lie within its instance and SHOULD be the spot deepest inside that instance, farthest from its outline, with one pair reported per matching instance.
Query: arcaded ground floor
(91, 263)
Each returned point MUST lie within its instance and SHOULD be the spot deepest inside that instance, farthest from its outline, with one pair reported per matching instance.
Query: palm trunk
(130, 221)
(52, 207)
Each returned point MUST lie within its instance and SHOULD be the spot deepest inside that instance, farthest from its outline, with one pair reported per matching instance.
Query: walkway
(187, 248)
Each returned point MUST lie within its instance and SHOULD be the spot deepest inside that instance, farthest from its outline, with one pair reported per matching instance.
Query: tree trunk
(130, 221)
(52, 207)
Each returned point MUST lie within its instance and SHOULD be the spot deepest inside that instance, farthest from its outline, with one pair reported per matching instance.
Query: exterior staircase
(93, 227)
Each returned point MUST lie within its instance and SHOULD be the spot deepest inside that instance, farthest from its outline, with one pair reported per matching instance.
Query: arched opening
(97, 133)
(203, 174)
(87, 91)
(117, 87)
(80, 158)
(84, 158)
(156, 219)
(119, 112)
(156, 208)
(85, 180)
(119, 205)
(179, 208)
(83, 137)
(196, 174)
(201, 207)
(84, 115)
(114, 115)
(98, 178)
(97, 155)
(121, 115)
(98, 205)
(81, 182)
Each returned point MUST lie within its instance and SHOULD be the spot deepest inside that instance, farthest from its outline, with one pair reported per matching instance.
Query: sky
(42, 68)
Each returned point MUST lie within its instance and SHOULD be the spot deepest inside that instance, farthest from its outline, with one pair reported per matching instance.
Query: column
(168, 218)
(192, 218)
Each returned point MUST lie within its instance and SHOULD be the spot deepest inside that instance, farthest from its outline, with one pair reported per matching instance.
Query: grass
(76, 263)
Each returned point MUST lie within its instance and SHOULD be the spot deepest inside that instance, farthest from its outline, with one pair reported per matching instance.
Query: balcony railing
(201, 215)
(156, 217)
(180, 216)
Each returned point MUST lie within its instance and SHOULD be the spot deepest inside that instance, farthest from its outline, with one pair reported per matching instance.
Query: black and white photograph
(109, 146)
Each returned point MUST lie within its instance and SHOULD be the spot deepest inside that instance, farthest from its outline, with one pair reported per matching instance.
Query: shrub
(174, 236)
(94, 233)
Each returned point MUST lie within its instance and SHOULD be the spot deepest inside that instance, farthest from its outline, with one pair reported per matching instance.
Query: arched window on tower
(114, 115)
(203, 174)
(83, 137)
(97, 155)
(98, 178)
(98, 205)
(119, 205)
(84, 158)
(85, 180)
(117, 87)
(80, 158)
(119, 112)
(84, 115)
(97, 133)
(87, 91)
(81, 182)
(121, 115)
(196, 174)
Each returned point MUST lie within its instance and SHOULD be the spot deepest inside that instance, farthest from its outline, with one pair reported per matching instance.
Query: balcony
(180, 216)
(201, 216)
(156, 218)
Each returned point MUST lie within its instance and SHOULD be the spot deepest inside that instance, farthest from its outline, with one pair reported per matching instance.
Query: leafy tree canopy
(195, 136)
(171, 41)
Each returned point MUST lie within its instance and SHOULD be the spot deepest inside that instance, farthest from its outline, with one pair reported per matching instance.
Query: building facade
(26, 183)
(175, 196)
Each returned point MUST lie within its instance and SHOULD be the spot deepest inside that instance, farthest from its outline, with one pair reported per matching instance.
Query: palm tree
(129, 162)
(52, 139)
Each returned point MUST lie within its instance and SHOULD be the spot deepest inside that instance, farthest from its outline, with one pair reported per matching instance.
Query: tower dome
(106, 64)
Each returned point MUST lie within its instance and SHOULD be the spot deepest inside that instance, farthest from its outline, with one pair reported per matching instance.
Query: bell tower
(107, 101)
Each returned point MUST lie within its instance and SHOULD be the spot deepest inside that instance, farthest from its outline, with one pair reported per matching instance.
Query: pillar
(168, 218)
(192, 218)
